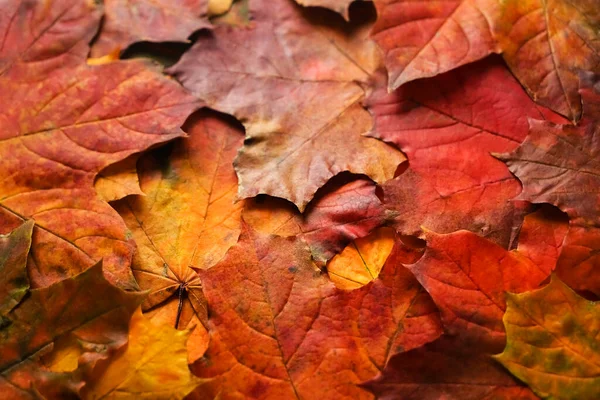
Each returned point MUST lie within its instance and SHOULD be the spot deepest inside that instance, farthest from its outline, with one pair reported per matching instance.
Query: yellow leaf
(552, 342)
(361, 261)
(153, 365)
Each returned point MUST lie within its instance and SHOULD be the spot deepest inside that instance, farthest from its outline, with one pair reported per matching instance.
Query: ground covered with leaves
(316, 200)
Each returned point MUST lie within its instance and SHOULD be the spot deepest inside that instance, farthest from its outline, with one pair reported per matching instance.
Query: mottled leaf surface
(153, 364)
(552, 342)
(280, 328)
(64, 122)
(295, 85)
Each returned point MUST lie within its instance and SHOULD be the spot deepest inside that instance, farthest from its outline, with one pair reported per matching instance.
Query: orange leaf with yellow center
(187, 218)
(119, 180)
(153, 364)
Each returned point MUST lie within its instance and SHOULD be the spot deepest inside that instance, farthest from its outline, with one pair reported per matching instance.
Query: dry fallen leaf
(446, 369)
(14, 283)
(545, 43)
(557, 164)
(447, 126)
(295, 85)
(426, 38)
(119, 180)
(152, 365)
(552, 337)
(63, 123)
(280, 329)
(467, 276)
(86, 307)
(187, 218)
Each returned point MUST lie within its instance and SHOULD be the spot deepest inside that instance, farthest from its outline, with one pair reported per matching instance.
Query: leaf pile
(299, 199)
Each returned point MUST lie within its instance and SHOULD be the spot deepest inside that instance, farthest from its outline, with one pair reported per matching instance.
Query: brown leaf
(295, 85)
(279, 328)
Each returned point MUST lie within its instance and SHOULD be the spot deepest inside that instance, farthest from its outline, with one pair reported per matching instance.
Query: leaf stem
(180, 307)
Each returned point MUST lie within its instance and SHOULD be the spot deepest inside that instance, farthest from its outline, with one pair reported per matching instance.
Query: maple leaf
(447, 126)
(552, 336)
(339, 213)
(546, 44)
(280, 328)
(467, 276)
(557, 164)
(538, 40)
(362, 260)
(445, 369)
(85, 307)
(295, 85)
(14, 282)
(148, 20)
(153, 365)
(424, 38)
(63, 123)
(187, 218)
